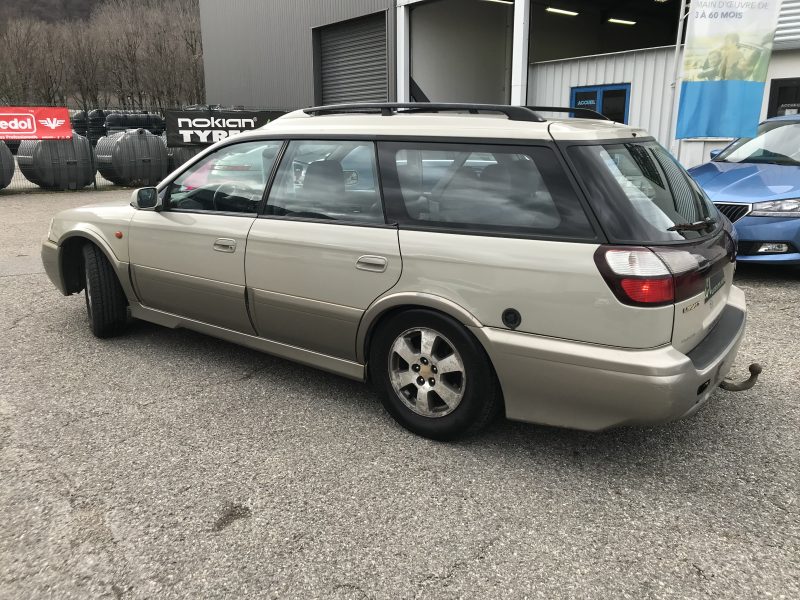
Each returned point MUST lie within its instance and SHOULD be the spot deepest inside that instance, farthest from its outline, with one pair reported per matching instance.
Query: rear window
(502, 189)
(639, 192)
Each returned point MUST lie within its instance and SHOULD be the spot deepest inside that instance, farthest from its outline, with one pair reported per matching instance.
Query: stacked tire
(80, 123)
(179, 155)
(96, 127)
(119, 121)
(133, 158)
(7, 166)
(58, 164)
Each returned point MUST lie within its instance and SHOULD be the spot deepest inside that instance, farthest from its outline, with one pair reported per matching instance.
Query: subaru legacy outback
(465, 259)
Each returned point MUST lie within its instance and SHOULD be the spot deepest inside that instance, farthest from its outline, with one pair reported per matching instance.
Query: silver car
(464, 260)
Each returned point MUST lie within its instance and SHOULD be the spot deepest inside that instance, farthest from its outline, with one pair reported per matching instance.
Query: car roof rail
(514, 113)
(587, 112)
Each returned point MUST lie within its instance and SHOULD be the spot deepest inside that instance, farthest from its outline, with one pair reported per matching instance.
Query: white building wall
(461, 51)
(650, 73)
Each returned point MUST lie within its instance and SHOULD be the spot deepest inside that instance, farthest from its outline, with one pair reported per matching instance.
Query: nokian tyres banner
(725, 61)
(204, 127)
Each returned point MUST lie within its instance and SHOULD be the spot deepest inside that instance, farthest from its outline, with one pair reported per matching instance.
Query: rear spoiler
(587, 113)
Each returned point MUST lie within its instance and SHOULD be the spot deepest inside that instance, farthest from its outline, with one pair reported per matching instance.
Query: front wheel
(434, 377)
(106, 304)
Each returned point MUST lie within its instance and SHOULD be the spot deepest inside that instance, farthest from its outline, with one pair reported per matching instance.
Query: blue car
(755, 182)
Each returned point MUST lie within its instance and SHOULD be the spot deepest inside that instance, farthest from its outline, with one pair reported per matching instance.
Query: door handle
(225, 245)
(377, 264)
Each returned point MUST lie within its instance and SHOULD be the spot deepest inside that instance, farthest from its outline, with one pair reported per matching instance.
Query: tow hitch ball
(730, 386)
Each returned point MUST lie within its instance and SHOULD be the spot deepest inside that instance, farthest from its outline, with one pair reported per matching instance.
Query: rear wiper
(706, 223)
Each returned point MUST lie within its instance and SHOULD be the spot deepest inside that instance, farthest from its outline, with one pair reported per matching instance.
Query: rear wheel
(106, 304)
(434, 377)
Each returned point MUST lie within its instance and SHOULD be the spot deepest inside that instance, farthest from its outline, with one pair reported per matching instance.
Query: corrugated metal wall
(259, 53)
(788, 33)
(648, 72)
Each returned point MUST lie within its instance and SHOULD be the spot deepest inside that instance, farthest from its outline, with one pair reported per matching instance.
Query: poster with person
(725, 62)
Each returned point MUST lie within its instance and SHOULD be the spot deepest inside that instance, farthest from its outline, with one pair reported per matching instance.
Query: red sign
(34, 123)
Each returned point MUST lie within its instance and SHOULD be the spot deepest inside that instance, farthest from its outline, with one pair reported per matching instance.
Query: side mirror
(146, 199)
(715, 153)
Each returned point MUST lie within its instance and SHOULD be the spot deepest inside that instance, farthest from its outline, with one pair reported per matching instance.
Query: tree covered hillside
(123, 53)
(48, 10)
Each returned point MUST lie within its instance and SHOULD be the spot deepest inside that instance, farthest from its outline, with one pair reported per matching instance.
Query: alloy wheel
(427, 372)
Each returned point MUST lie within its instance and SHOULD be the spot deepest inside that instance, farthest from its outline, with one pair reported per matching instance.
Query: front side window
(232, 179)
(330, 180)
(513, 190)
(777, 142)
(640, 193)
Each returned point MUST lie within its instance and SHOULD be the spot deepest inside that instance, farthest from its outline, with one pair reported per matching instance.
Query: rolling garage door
(353, 61)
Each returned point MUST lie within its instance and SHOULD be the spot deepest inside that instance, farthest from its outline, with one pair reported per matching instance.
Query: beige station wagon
(465, 259)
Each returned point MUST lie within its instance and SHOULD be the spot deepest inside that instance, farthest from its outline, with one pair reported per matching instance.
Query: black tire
(106, 304)
(480, 393)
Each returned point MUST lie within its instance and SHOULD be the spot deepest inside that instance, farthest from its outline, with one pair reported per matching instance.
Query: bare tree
(163, 83)
(49, 64)
(173, 62)
(188, 13)
(86, 75)
(17, 46)
(134, 53)
(123, 41)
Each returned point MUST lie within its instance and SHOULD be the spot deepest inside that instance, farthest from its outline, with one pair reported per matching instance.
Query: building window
(784, 97)
(613, 101)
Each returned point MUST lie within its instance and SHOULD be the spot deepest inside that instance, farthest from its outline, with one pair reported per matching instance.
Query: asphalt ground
(166, 464)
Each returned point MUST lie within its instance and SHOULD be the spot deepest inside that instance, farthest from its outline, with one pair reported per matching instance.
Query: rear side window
(493, 189)
(639, 192)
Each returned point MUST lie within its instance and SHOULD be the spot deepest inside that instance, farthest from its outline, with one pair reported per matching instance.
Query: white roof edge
(445, 125)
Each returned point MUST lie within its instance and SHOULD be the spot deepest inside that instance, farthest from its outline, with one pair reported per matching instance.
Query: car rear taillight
(649, 290)
(641, 276)
(636, 275)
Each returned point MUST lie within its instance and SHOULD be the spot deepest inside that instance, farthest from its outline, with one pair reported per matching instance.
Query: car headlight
(50, 235)
(777, 208)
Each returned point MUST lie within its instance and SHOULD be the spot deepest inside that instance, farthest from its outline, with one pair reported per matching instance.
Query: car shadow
(504, 443)
(752, 273)
(668, 449)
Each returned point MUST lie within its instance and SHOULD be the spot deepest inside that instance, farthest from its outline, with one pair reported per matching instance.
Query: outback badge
(714, 284)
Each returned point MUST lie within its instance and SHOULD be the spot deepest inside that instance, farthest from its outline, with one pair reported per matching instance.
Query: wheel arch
(71, 261)
(390, 305)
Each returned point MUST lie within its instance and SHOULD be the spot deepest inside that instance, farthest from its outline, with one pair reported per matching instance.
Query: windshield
(642, 195)
(777, 142)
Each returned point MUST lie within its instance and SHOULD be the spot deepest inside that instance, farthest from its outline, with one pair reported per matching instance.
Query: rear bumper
(582, 386)
(52, 266)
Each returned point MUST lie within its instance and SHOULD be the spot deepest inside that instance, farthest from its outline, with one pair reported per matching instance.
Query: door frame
(774, 85)
(601, 89)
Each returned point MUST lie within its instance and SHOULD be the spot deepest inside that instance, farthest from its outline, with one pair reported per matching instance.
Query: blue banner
(725, 63)
(727, 109)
